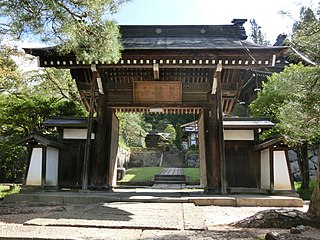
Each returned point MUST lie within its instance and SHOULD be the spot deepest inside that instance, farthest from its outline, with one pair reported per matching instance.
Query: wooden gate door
(242, 166)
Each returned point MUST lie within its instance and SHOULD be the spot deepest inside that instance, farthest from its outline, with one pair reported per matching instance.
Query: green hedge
(305, 194)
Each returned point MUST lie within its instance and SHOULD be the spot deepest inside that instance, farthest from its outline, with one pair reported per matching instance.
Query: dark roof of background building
(71, 122)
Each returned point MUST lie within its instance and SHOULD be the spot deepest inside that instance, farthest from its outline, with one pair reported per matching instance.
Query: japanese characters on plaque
(157, 91)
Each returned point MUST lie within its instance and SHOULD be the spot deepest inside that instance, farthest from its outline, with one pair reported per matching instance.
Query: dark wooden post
(100, 163)
(271, 162)
(44, 166)
(220, 133)
(214, 142)
(103, 160)
(211, 146)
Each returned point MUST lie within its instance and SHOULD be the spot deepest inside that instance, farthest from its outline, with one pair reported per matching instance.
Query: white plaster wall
(52, 166)
(35, 168)
(239, 135)
(193, 139)
(281, 172)
(75, 133)
(265, 169)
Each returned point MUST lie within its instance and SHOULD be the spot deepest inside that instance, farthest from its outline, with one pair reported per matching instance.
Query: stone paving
(130, 220)
(173, 216)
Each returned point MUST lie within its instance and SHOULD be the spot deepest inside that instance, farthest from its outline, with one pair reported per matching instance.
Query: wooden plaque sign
(157, 91)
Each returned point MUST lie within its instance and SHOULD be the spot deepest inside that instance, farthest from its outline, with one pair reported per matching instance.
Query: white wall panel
(265, 169)
(52, 166)
(35, 168)
(247, 135)
(281, 172)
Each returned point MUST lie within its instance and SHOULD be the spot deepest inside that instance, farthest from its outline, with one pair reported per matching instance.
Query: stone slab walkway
(172, 171)
(124, 215)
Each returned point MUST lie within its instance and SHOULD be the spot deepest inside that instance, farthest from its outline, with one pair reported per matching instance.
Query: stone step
(174, 179)
(169, 176)
(169, 182)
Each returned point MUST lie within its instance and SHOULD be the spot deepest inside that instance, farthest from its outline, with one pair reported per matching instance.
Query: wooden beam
(267, 144)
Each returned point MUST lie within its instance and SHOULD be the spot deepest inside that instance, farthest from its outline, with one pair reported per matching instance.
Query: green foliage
(160, 121)
(90, 43)
(52, 82)
(193, 148)
(178, 139)
(291, 99)
(140, 176)
(305, 194)
(131, 132)
(81, 27)
(25, 102)
(21, 116)
(10, 77)
(256, 34)
(6, 190)
(239, 110)
(12, 160)
(192, 174)
(172, 133)
(306, 33)
(299, 118)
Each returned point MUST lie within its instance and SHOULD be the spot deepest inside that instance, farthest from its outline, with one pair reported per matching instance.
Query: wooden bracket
(99, 82)
(100, 86)
(156, 71)
(216, 75)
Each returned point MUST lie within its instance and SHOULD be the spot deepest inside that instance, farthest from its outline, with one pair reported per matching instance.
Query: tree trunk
(314, 207)
(303, 161)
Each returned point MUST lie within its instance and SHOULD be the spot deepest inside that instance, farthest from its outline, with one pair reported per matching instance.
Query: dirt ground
(217, 219)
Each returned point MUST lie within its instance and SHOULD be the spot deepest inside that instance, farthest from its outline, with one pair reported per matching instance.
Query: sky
(212, 12)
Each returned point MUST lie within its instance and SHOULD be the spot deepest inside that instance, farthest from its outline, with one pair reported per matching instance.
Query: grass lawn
(140, 176)
(145, 175)
(5, 190)
(193, 175)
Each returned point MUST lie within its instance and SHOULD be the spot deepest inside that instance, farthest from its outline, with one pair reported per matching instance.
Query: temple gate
(198, 69)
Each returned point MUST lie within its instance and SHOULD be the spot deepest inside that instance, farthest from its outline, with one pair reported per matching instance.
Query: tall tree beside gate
(81, 27)
(306, 39)
(294, 94)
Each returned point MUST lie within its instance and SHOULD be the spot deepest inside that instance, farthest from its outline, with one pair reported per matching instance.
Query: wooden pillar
(103, 162)
(100, 161)
(202, 152)
(212, 159)
(214, 142)
(271, 159)
(43, 166)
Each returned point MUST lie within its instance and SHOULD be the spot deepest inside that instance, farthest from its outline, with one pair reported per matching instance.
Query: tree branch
(72, 13)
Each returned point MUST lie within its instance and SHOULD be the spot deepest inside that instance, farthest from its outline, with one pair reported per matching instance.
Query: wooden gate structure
(194, 69)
